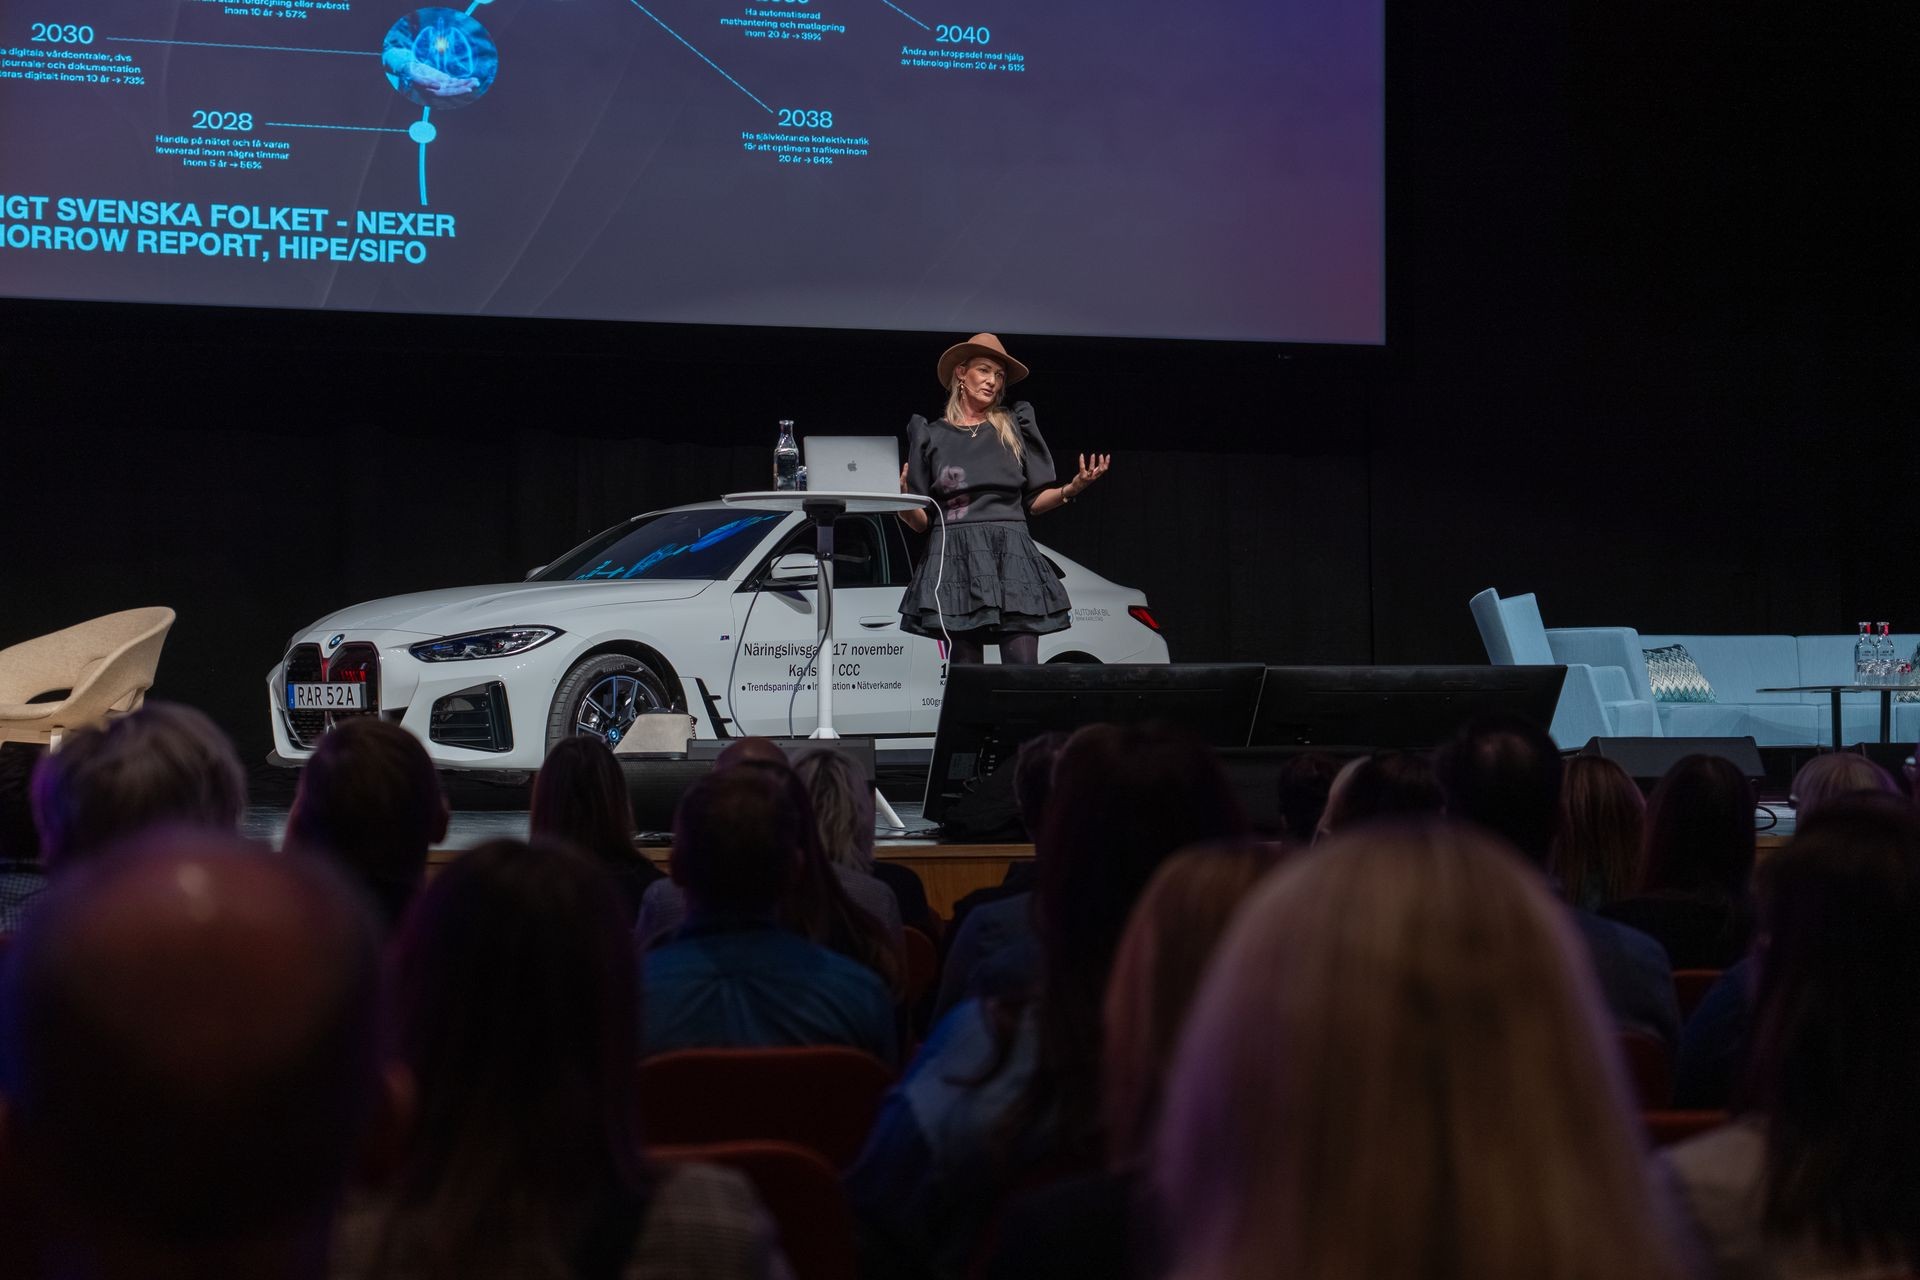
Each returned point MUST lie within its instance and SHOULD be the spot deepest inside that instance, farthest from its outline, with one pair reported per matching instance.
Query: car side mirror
(796, 568)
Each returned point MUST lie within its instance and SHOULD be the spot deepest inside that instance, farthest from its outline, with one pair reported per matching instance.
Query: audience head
(164, 764)
(369, 799)
(1700, 833)
(738, 841)
(1598, 842)
(188, 1052)
(1125, 797)
(1364, 1088)
(515, 1010)
(1504, 773)
(580, 797)
(842, 802)
(1163, 953)
(1833, 774)
(1836, 1034)
(1033, 777)
(1386, 784)
(1303, 784)
(750, 751)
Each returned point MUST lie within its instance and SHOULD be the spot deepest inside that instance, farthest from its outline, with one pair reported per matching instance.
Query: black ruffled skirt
(994, 579)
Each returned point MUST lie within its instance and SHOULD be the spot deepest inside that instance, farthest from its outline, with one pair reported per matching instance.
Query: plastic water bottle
(1863, 655)
(1887, 659)
(786, 458)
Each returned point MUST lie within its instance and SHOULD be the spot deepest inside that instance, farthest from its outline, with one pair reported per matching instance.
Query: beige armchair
(104, 667)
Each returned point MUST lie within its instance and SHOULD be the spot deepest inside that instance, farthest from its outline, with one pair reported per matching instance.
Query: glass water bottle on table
(786, 458)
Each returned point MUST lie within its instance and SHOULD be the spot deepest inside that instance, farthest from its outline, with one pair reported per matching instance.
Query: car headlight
(483, 644)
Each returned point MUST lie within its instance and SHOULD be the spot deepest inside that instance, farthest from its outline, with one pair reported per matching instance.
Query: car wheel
(603, 696)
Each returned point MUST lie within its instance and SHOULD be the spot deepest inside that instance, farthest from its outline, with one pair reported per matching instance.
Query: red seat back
(1664, 1128)
(822, 1097)
(803, 1196)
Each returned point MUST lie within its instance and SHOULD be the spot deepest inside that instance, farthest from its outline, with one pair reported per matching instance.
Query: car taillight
(1143, 615)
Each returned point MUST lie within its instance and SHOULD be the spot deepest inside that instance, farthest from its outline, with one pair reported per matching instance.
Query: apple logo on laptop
(853, 466)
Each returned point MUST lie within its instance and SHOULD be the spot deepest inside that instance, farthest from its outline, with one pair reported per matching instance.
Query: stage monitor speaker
(1408, 708)
(989, 710)
(859, 750)
(1647, 760)
(654, 788)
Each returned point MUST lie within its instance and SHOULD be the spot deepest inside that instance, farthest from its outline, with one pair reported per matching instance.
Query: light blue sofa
(1736, 667)
(1599, 699)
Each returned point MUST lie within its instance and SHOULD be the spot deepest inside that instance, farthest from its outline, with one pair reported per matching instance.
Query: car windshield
(705, 544)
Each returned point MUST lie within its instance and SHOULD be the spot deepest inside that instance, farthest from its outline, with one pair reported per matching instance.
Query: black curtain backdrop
(1651, 354)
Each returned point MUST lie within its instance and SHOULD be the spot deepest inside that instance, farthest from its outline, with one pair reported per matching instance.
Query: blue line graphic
(703, 57)
(276, 48)
(903, 13)
(351, 128)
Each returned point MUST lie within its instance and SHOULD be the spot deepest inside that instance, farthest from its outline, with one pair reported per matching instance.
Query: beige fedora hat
(980, 344)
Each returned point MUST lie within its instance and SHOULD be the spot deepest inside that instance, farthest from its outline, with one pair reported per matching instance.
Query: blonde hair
(842, 807)
(997, 414)
(1170, 936)
(1599, 845)
(1398, 1066)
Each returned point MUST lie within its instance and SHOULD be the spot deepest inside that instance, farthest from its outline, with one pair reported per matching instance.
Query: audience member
(580, 797)
(1006, 1086)
(514, 1015)
(164, 763)
(1303, 783)
(991, 949)
(1099, 1226)
(733, 975)
(1833, 774)
(1397, 1066)
(1341, 781)
(1504, 774)
(842, 803)
(1696, 895)
(22, 878)
(1598, 838)
(1821, 1174)
(1387, 784)
(188, 1057)
(856, 917)
(369, 799)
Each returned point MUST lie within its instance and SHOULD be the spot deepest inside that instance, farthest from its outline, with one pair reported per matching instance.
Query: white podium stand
(823, 507)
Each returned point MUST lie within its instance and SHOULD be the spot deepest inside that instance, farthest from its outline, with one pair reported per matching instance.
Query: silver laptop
(852, 464)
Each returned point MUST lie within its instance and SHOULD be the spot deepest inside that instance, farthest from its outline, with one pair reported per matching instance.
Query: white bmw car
(705, 609)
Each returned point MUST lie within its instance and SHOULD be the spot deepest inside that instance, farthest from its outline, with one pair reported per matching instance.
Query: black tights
(1017, 648)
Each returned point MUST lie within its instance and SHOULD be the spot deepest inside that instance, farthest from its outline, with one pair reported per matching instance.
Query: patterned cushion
(1675, 676)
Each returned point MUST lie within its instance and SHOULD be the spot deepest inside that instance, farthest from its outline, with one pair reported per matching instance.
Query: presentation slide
(1136, 168)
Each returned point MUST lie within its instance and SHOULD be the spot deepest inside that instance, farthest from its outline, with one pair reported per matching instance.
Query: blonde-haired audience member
(1398, 1065)
(1597, 848)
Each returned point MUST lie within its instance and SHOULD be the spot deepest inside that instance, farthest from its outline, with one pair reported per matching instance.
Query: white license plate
(327, 697)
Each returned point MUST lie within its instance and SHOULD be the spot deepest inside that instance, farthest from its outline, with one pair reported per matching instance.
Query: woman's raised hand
(1092, 467)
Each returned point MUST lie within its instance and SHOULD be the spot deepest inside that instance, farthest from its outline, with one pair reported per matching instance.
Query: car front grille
(356, 663)
(473, 718)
